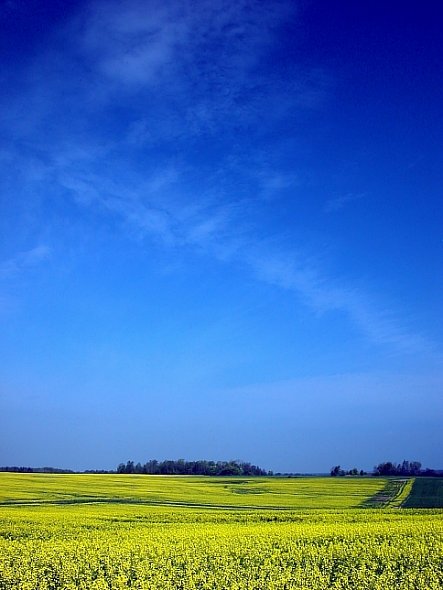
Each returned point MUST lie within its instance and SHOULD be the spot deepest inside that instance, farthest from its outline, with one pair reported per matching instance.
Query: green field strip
(426, 492)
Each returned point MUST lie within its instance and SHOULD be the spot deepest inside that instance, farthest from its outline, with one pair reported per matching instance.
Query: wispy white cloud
(133, 42)
(159, 53)
(156, 206)
(23, 261)
(293, 272)
(136, 42)
(153, 55)
(162, 209)
(342, 201)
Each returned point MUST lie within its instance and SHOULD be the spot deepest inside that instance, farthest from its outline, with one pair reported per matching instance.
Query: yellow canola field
(110, 546)
(260, 492)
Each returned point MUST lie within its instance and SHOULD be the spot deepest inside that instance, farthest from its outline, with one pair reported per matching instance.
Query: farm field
(426, 493)
(225, 492)
(47, 544)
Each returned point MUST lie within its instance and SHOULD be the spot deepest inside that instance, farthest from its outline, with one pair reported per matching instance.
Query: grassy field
(69, 532)
(426, 492)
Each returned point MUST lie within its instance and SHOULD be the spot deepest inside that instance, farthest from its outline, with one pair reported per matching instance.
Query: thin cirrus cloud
(322, 294)
(342, 201)
(134, 43)
(15, 268)
(155, 57)
(19, 263)
(146, 44)
(196, 67)
(218, 231)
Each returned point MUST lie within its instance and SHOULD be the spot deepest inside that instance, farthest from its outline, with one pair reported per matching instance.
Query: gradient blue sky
(221, 232)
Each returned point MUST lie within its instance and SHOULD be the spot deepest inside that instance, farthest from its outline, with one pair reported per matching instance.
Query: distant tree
(15, 469)
(406, 468)
(336, 471)
(386, 468)
(129, 467)
(181, 467)
(151, 467)
(415, 467)
(201, 467)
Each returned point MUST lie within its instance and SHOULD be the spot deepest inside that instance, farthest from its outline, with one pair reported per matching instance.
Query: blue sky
(221, 232)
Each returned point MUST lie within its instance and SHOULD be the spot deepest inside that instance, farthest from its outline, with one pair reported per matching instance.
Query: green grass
(427, 492)
(225, 492)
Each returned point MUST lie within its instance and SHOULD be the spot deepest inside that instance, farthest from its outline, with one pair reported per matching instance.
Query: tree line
(406, 468)
(15, 469)
(242, 468)
(182, 467)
